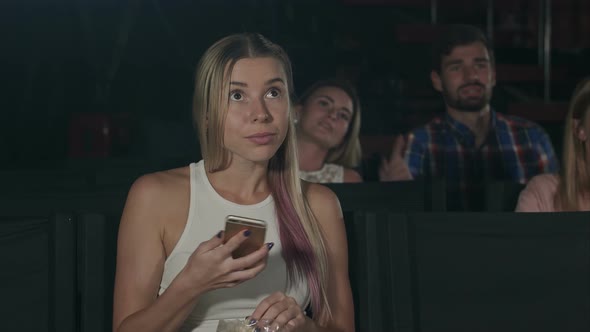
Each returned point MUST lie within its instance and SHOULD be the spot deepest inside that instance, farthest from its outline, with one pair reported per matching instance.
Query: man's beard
(469, 104)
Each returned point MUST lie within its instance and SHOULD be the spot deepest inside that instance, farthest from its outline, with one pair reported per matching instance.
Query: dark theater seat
(396, 196)
(409, 271)
(501, 271)
(37, 278)
(470, 271)
(502, 196)
(93, 223)
(379, 269)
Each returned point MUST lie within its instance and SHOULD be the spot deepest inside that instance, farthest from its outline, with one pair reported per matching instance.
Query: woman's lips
(261, 138)
(325, 125)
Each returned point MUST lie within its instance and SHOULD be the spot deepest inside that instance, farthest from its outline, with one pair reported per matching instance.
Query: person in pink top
(570, 189)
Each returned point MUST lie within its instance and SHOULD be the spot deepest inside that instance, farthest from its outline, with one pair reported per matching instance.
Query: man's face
(466, 78)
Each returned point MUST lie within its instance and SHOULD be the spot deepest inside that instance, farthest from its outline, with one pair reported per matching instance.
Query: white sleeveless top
(206, 218)
(329, 173)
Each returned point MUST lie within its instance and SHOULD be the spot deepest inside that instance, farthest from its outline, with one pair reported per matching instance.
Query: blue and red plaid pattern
(515, 150)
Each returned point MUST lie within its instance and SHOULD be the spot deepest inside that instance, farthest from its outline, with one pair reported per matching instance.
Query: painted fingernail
(219, 234)
(247, 232)
(252, 322)
(270, 245)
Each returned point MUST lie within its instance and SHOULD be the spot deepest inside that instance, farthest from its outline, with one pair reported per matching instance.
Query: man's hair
(457, 35)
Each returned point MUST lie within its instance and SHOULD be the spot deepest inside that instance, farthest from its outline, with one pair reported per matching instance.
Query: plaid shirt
(515, 150)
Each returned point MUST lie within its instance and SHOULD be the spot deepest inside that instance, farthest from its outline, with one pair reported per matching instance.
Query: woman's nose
(333, 113)
(260, 111)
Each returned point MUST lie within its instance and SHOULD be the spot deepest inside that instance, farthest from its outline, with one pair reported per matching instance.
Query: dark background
(109, 83)
(73, 68)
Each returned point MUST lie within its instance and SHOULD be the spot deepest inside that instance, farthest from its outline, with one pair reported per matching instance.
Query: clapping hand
(395, 168)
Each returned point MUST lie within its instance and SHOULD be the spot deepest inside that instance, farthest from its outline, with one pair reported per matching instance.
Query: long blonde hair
(575, 175)
(301, 237)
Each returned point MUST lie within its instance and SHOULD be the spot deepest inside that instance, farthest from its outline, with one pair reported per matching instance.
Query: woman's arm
(140, 264)
(326, 208)
(153, 201)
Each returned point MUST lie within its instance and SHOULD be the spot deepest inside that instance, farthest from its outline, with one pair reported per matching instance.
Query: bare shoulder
(323, 202)
(315, 192)
(154, 184)
(150, 212)
(159, 193)
(350, 175)
(538, 195)
(545, 181)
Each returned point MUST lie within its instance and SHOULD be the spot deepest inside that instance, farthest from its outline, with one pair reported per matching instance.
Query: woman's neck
(242, 182)
(311, 156)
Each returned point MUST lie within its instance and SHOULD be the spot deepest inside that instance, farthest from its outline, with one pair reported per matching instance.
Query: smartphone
(236, 224)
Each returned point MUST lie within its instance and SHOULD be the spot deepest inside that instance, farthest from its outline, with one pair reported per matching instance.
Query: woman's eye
(236, 96)
(345, 116)
(323, 103)
(273, 93)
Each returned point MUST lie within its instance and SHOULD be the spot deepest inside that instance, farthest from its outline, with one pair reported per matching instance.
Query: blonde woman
(570, 190)
(328, 125)
(174, 273)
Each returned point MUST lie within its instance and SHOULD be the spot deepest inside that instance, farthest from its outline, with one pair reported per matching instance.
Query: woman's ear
(579, 130)
(582, 135)
(297, 113)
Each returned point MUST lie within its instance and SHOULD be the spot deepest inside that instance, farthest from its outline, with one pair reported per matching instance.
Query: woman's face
(258, 111)
(325, 116)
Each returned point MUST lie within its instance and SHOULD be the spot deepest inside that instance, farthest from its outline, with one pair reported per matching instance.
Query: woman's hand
(283, 313)
(211, 265)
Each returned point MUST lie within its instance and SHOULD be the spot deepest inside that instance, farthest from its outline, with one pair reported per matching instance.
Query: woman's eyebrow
(269, 82)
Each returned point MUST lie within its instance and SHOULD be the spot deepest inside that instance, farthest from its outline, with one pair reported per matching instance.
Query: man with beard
(471, 143)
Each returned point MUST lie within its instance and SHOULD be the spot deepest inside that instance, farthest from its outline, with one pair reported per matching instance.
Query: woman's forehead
(335, 93)
(258, 70)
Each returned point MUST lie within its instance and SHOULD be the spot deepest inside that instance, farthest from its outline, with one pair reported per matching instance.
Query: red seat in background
(98, 135)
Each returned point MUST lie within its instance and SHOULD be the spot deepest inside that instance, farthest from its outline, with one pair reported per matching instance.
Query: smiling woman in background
(569, 190)
(328, 125)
